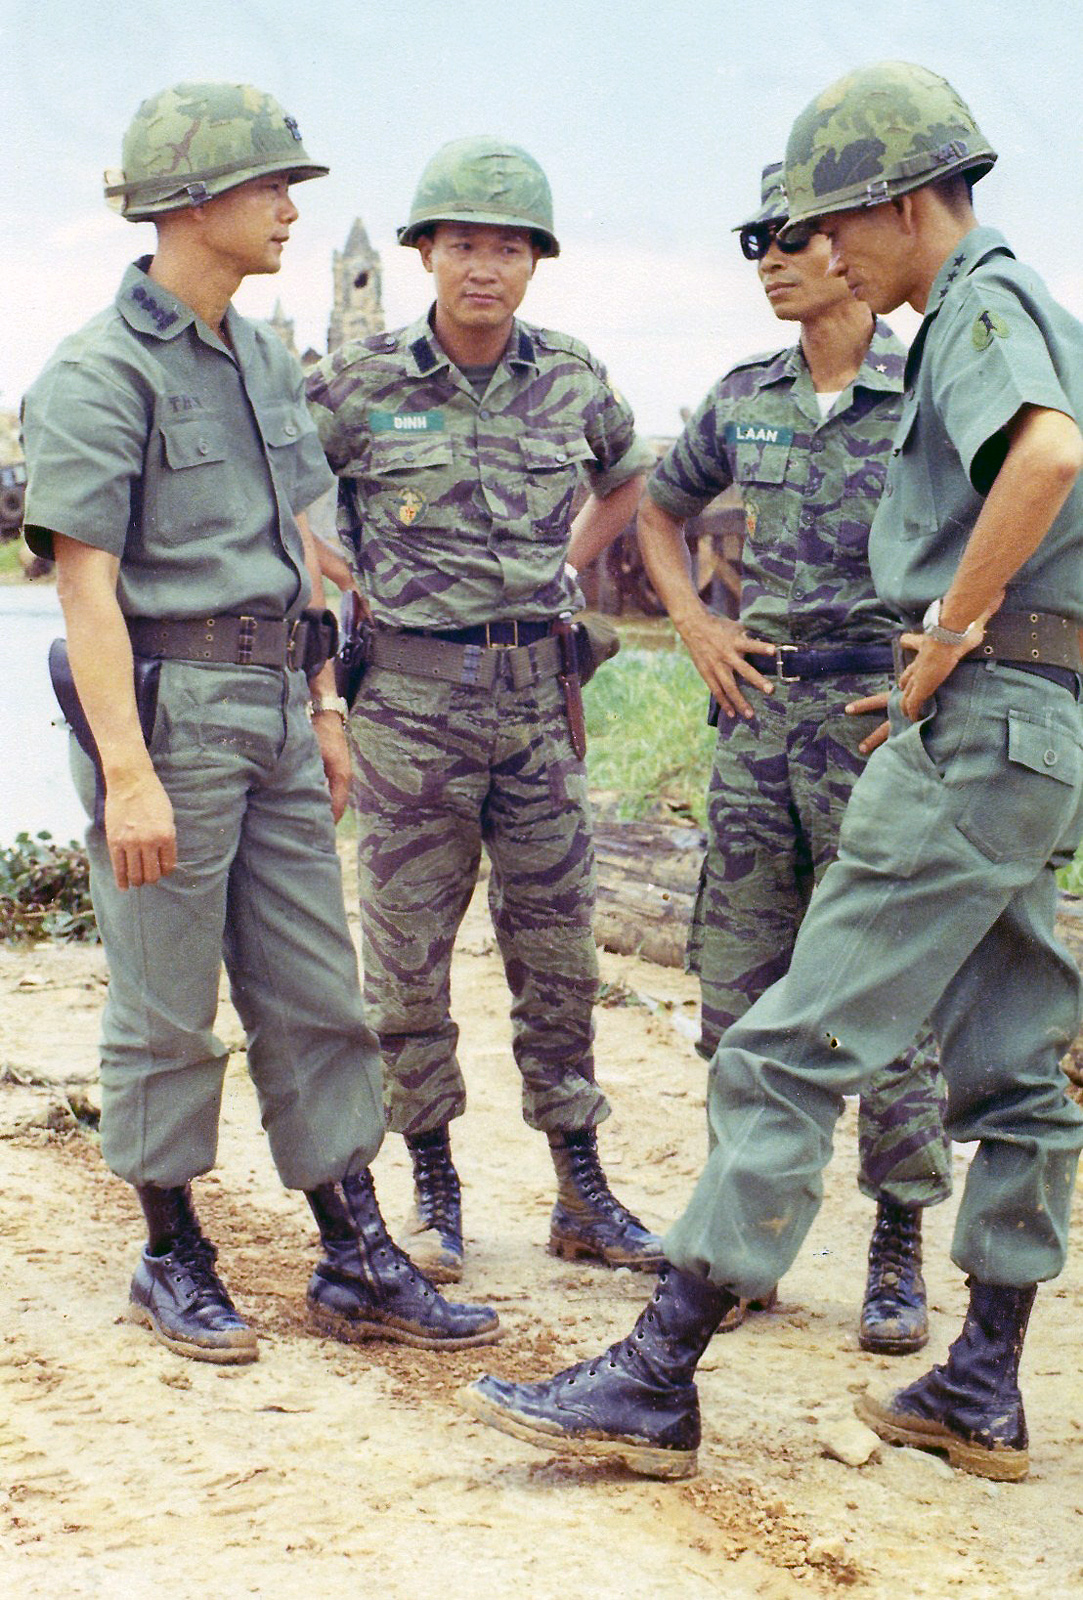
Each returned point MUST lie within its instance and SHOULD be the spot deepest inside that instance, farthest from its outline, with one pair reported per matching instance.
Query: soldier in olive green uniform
(941, 902)
(171, 458)
(459, 443)
(806, 433)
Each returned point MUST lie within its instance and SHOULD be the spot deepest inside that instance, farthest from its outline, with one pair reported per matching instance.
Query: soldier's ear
(424, 250)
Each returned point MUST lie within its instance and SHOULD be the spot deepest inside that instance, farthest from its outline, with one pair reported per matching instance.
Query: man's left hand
(864, 707)
(335, 754)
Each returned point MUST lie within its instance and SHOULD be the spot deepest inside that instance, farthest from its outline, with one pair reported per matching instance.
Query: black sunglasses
(758, 238)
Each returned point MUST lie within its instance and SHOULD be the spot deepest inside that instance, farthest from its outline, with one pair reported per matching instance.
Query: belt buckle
(498, 644)
(292, 662)
(784, 677)
(246, 639)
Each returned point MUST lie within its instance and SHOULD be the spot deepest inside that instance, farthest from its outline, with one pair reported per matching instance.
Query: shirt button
(203, 447)
(561, 457)
(291, 429)
(1050, 758)
(485, 415)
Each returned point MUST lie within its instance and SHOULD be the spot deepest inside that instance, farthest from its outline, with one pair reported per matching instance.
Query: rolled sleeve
(992, 361)
(85, 433)
(638, 458)
(696, 468)
(619, 454)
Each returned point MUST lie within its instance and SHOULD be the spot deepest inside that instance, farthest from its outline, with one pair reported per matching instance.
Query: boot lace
(437, 1190)
(193, 1259)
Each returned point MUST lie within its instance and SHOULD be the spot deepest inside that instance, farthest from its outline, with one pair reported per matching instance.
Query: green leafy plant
(45, 891)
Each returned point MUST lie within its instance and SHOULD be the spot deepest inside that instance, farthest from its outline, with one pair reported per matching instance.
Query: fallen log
(647, 878)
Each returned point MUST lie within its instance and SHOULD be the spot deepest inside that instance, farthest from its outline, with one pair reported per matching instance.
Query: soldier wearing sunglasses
(797, 682)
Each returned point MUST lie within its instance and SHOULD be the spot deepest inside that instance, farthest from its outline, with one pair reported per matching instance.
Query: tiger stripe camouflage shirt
(810, 488)
(455, 508)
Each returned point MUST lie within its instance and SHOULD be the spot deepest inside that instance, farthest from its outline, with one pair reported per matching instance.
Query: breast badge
(411, 505)
(752, 516)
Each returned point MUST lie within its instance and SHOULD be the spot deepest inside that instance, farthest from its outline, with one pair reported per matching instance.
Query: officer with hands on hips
(170, 460)
(941, 902)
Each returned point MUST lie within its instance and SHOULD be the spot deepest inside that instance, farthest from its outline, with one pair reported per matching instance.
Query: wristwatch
(328, 702)
(933, 628)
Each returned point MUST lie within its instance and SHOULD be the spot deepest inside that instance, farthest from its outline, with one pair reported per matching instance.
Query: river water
(35, 787)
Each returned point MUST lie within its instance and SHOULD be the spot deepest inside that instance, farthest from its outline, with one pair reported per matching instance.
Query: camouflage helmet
(878, 133)
(774, 206)
(196, 140)
(483, 180)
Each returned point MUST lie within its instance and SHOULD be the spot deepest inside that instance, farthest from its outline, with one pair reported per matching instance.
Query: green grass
(10, 570)
(648, 742)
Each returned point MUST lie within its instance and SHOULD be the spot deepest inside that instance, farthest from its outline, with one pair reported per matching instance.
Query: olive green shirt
(993, 340)
(146, 436)
(455, 506)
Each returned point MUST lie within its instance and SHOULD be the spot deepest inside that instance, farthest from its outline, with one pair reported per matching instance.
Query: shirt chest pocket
(283, 432)
(760, 461)
(909, 489)
(195, 487)
(410, 480)
(552, 468)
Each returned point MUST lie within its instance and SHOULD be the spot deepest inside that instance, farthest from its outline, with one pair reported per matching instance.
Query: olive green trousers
(940, 905)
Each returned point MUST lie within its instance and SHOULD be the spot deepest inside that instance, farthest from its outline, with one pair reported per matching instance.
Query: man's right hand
(139, 829)
(718, 647)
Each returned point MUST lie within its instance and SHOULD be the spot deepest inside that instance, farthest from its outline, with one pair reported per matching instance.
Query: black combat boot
(436, 1227)
(367, 1288)
(176, 1292)
(971, 1406)
(637, 1401)
(587, 1220)
(894, 1317)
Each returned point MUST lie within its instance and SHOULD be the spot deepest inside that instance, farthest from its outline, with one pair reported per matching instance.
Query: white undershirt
(826, 398)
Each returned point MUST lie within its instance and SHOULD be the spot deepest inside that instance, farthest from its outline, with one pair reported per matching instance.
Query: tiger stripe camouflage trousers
(440, 770)
(778, 789)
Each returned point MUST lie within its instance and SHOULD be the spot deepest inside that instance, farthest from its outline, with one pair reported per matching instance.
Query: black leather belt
(794, 663)
(502, 635)
(301, 643)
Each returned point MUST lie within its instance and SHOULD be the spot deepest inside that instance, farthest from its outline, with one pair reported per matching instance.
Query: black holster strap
(301, 643)
(473, 666)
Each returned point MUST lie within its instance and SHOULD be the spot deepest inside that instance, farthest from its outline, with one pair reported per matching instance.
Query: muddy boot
(367, 1288)
(894, 1317)
(636, 1401)
(970, 1407)
(436, 1227)
(176, 1292)
(587, 1220)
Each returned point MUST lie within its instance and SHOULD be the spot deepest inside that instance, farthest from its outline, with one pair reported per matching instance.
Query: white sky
(652, 119)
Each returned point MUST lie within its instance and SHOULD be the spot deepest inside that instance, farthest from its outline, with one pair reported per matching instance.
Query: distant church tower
(357, 309)
(283, 326)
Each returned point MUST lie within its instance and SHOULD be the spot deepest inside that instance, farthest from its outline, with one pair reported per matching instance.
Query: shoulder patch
(988, 325)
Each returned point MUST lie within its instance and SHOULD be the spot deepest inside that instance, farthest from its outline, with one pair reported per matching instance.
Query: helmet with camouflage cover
(774, 206)
(483, 180)
(196, 140)
(878, 133)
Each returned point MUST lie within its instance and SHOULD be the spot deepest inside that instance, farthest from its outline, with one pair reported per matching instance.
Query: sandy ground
(328, 1469)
